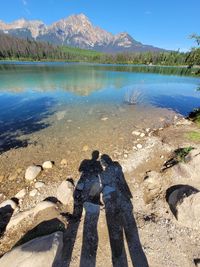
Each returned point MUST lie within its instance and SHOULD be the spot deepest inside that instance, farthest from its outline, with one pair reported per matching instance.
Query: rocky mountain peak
(75, 30)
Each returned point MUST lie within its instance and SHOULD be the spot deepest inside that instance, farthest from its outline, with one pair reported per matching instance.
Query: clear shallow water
(80, 102)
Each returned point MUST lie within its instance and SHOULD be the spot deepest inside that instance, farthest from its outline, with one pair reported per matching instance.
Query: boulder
(32, 172)
(10, 203)
(188, 212)
(184, 202)
(188, 172)
(65, 192)
(43, 251)
(30, 214)
(47, 165)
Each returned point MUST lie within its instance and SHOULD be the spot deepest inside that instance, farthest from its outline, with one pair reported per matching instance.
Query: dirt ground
(149, 230)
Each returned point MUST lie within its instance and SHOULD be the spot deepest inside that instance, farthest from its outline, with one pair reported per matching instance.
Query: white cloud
(24, 2)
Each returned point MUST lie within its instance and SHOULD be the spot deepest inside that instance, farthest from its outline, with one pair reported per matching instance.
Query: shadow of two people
(104, 177)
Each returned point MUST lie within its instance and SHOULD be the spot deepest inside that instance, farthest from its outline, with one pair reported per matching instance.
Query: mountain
(76, 31)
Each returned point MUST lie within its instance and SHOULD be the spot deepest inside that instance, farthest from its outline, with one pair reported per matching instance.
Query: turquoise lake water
(56, 99)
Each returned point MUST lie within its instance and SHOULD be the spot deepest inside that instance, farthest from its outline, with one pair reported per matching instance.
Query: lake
(80, 107)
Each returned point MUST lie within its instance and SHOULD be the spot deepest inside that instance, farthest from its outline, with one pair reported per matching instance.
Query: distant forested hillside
(15, 48)
(12, 48)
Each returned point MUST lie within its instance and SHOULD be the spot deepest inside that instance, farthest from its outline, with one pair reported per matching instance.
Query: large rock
(189, 171)
(32, 172)
(184, 202)
(40, 252)
(9, 203)
(65, 192)
(188, 212)
(29, 215)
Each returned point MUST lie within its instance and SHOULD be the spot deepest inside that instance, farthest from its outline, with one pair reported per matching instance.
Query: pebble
(104, 119)
(85, 148)
(19, 170)
(39, 185)
(33, 193)
(63, 162)
(125, 156)
(139, 146)
(175, 117)
(32, 172)
(2, 197)
(1, 178)
(136, 133)
(142, 135)
(12, 177)
(21, 194)
(147, 130)
(47, 165)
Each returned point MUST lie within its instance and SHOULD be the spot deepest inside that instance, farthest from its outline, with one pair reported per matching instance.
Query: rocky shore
(162, 171)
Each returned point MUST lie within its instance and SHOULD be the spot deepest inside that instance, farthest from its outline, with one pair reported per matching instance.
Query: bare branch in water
(134, 97)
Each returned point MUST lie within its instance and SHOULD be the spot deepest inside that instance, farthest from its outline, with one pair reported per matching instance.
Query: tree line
(20, 49)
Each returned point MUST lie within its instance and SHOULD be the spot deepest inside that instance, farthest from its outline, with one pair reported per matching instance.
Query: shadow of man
(119, 216)
(87, 195)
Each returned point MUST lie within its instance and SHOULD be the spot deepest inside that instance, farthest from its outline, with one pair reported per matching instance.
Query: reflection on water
(23, 117)
(85, 97)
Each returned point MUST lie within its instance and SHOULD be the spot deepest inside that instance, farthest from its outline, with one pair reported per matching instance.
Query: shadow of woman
(87, 196)
(119, 216)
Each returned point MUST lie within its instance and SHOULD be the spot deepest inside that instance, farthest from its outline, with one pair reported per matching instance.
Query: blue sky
(162, 23)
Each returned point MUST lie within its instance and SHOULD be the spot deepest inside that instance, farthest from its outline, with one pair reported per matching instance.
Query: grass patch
(193, 136)
(181, 153)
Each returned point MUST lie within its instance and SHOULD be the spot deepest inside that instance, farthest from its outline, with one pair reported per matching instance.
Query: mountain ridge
(76, 31)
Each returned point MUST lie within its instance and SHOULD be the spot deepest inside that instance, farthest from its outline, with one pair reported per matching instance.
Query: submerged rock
(43, 251)
(32, 172)
(104, 119)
